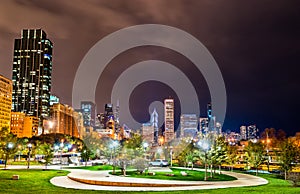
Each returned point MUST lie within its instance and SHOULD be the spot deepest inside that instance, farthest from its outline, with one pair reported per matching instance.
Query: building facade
(31, 77)
(154, 122)
(169, 119)
(23, 125)
(188, 125)
(203, 125)
(88, 110)
(148, 132)
(252, 133)
(66, 120)
(53, 100)
(5, 102)
(243, 132)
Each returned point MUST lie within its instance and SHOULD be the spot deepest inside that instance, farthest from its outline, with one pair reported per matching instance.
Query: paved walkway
(164, 185)
(158, 185)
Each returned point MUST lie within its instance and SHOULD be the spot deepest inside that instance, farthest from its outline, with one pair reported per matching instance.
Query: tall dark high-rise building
(209, 114)
(32, 68)
(88, 110)
(109, 110)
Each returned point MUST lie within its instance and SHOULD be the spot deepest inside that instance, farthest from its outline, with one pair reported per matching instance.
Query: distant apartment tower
(188, 125)
(108, 114)
(218, 127)
(31, 77)
(203, 125)
(243, 132)
(88, 110)
(252, 132)
(169, 119)
(5, 102)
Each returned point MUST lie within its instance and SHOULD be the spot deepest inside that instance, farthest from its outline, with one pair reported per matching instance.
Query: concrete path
(159, 185)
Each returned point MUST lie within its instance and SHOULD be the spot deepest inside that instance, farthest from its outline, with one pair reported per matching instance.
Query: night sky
(255, 43)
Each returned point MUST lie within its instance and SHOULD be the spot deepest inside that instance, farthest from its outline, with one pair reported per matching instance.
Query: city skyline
(254, 44)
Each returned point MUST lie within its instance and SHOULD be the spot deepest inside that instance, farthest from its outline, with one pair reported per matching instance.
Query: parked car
(99, 162)
(159, 162)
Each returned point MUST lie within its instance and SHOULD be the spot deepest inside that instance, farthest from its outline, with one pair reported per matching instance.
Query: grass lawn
(94, 168)
(37, 181)
(192, 175)
(24, 163)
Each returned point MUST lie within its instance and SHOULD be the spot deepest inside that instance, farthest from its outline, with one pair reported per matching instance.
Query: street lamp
(171, 154)
(29, 152)
(9, 146)
(145, 145)
(19, 147)
(268, 156)
(205, 146)
(61, 145)
(113, 147)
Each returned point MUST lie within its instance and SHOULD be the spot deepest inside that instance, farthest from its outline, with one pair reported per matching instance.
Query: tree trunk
(285, 175)
(219, 169)
(256, 171)
(124, 170)
(211, 171)
(192, 166)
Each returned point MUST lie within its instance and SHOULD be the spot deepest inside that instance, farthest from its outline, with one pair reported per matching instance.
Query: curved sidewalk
(117, 183)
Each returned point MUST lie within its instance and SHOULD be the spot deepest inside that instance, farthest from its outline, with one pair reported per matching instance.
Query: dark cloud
(255, 43)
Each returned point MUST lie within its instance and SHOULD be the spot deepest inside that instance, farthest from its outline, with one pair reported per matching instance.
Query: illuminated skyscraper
(169, 120)
(154, 122)
(32, 68)
(209, 114)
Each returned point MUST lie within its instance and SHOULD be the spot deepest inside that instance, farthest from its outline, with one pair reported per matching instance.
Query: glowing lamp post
(113, 147)
(205, 146)
(9, 146)
(171, 155)
(19, 147)
(61, 145)
(268, 156)
(145, 145)
(29, 146)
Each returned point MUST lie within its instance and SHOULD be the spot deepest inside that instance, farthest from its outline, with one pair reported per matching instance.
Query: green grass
(37, 181)
(192, 175)
(24, 163)
(276, 185)
(93, 168)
